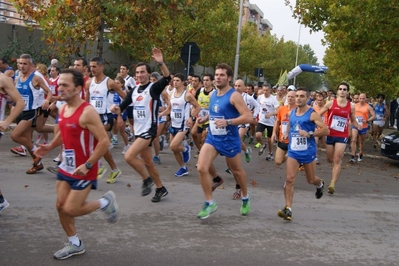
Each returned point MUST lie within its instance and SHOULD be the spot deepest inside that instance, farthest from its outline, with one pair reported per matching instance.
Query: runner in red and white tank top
(338, 119)
(75, 152)
(84, 141)
(340, 111)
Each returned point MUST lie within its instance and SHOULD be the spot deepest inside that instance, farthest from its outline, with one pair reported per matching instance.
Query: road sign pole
(237, 58)
(189, 59)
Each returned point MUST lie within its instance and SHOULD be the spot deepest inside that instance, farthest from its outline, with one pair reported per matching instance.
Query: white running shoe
(125, 148)
(4, 205)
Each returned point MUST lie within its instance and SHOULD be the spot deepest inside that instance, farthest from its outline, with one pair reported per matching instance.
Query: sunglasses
(342, 89)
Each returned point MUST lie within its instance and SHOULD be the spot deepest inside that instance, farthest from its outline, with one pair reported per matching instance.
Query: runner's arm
(323, 129)
(91, 120)
(127, 100)
(13, 93)
(372, 113)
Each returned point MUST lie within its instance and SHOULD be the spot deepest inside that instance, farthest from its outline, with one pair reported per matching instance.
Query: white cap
(54, 61)
(291, 88)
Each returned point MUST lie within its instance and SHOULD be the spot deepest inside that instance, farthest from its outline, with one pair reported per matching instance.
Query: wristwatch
(229, 122)
(311, 133)
(88, 165)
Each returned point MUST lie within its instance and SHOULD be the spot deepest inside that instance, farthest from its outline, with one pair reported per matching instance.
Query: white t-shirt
(267, 105)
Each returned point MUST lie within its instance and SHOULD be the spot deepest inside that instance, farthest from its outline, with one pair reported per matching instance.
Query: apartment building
(8, 14)
(253, 14)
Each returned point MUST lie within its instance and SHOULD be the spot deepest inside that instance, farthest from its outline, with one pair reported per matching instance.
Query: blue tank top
(221, 108)
(379, 112)
(26, 90)
(301, 147)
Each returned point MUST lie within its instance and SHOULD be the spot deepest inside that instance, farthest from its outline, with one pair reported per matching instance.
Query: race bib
(139, 113)
(284, 125)
(298, 143)
(98, 103)
(177, 115)
(338, 123)
(359, 120)
(380, 116)
(52, 88)
(26, 101)
(214, 129)
(68, 161)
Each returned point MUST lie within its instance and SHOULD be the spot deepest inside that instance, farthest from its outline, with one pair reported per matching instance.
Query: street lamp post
(297, 50)
(237, 58)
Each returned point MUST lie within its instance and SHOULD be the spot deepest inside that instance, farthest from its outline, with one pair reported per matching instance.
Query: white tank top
(98, 95)
(180, 110)
(144, 110)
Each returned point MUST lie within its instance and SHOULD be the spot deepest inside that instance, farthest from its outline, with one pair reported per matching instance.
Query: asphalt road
(355, 226)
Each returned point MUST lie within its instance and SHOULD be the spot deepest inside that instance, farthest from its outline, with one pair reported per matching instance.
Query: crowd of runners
(200, 116)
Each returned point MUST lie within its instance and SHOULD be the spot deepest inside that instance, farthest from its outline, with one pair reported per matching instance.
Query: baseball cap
(291, 88)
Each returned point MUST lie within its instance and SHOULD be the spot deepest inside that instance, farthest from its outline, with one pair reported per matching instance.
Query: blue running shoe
(182, 172)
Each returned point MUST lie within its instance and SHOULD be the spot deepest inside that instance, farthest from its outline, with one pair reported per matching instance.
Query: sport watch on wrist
(88, 165)
(229, 122)
(311, 133)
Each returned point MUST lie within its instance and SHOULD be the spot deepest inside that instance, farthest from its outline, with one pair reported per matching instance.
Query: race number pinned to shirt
(284, 125)
(68, 161)
(139, 113)
(26, 101)
(338, 123)
(214, 129)
(177, 114)
(298, 142)
(98, 103)
(359, 120)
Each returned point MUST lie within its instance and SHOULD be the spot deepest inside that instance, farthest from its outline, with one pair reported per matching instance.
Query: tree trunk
(100, 38)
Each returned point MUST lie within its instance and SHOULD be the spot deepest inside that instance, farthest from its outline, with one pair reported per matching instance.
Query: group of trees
(137, 26)
(362, 41)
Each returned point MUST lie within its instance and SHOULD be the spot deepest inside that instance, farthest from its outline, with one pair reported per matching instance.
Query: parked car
(390, 145)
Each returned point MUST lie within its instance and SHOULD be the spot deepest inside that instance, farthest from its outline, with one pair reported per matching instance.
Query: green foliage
(274, 56)
(362, 38)
(138, 26)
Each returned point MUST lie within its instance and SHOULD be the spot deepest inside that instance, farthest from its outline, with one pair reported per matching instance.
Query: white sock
(103, 203)
(115, 136)
(74, 240)
(34, 148)
(115, 170)
(210, 202)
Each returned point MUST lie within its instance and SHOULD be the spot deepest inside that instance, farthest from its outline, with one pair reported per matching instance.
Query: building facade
(253, 14)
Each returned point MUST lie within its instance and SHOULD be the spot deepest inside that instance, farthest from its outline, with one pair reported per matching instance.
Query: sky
(284, 25)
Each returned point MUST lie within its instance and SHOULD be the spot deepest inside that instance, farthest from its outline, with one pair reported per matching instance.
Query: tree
(361, 36)
(136, 26)
(274, 55)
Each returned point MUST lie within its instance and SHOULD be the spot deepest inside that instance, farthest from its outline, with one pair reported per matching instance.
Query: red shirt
(338, 119)
(83, 92)
(53, 84)
(78, 145)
